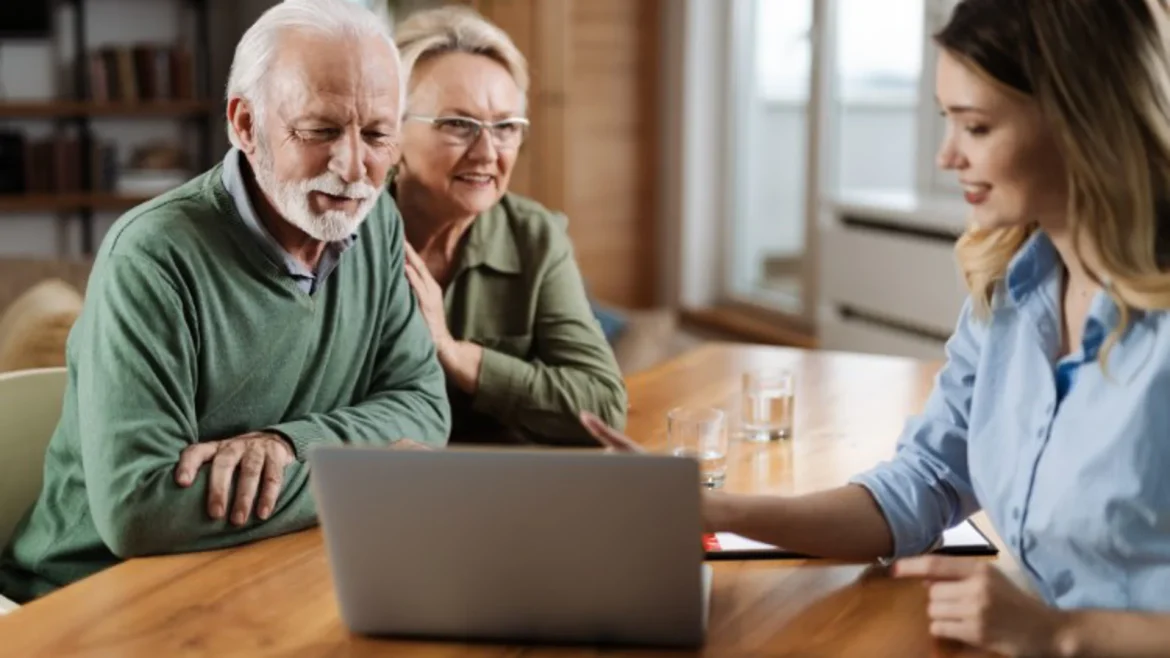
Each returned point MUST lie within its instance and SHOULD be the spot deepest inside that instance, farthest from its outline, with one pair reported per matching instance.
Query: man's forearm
(420, 413)
(1109, 634)
(160, 517)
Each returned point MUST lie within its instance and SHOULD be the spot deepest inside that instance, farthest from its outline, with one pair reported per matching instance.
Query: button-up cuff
(502, 384)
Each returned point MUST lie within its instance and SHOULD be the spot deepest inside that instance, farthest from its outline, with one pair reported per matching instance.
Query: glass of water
(769, 404)
(700, 433)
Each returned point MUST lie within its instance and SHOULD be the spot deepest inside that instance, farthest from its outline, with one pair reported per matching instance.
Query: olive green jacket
(517, 292)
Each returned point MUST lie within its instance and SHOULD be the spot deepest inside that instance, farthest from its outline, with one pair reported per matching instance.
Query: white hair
(252, 61)
(453, 29)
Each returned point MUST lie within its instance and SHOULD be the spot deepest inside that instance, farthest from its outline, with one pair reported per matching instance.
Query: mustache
(332, 184)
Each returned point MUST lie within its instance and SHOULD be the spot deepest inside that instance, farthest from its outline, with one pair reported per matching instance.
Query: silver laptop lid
(552, 546)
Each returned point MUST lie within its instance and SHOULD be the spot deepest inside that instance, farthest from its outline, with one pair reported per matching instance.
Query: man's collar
(235, 169)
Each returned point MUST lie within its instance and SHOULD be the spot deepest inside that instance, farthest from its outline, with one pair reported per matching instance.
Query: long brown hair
(1098, 70)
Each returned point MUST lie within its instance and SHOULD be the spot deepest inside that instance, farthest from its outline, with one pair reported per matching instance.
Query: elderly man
(232, 324)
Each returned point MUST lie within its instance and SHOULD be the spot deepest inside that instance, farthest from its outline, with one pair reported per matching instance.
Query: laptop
(552, 546)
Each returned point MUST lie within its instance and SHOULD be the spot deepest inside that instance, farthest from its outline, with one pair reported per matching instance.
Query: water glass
(700, 433)
(769, 404)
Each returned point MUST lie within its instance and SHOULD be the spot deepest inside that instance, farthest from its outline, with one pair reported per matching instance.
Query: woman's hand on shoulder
(430, 297)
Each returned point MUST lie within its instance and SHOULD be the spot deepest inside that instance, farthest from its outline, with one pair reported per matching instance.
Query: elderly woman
(494, 272)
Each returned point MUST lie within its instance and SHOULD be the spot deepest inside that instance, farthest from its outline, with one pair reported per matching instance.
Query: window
(872, 95)
(783, 58)
(876, 94)
(773, 65)
(879, 50)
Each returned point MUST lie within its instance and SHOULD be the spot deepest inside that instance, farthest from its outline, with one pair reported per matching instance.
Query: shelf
(64, 109)
(67, 202)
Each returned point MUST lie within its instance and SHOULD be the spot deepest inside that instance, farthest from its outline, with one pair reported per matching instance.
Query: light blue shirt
(308, 281)
(1077, 486)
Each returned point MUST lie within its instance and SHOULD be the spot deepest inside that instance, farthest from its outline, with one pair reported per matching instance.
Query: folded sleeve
(926, 488)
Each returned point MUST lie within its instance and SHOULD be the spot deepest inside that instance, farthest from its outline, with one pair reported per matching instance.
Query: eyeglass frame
(479, 126)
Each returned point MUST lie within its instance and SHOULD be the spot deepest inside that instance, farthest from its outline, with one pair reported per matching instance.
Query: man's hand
(973, 602)
(260, 458)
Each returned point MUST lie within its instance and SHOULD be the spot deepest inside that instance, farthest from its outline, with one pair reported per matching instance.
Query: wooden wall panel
(593, 147)
(612, 164)
(552, 132)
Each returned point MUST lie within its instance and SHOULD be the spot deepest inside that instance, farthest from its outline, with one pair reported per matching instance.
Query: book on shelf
(142, 72)
(53, 165)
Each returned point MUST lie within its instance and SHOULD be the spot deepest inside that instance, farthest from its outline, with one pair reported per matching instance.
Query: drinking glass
(769, 404)
(700, 433)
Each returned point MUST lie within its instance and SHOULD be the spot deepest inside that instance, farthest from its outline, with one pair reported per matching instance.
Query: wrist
(719, 512)
(1068, 640)
(447, 350)
(281, 438)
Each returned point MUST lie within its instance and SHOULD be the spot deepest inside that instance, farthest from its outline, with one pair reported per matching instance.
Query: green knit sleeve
(135, 356)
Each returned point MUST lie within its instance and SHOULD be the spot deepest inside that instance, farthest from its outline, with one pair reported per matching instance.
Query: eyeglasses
(464, 131)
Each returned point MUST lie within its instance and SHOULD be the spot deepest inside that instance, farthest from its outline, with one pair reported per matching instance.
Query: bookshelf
(84, 105)
(67, 202)
(69, 109)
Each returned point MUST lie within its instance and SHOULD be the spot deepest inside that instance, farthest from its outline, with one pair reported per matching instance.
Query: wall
(612, 165)
(695, 127)
(27, 72)
(593, 150)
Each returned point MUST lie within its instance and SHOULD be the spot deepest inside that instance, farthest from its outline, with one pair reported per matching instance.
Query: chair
(30, 406)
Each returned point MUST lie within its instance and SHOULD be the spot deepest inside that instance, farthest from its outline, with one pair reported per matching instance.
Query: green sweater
(191, 333)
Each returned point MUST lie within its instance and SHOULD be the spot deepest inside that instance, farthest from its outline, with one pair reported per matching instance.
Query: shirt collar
(233, 180)
(490, 241)
(1032, 265)
(1037, 268)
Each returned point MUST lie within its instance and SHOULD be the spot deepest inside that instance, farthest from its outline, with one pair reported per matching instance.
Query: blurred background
(749, 170)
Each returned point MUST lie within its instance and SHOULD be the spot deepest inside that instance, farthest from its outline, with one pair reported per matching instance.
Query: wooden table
(276, 597)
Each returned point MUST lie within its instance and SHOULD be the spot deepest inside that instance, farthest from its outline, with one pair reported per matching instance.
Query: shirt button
(1049, 409)
(1040, 433)
(1016, 514)
(1029, 541)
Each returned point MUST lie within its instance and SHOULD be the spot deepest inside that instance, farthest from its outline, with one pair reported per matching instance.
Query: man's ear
(242, 118)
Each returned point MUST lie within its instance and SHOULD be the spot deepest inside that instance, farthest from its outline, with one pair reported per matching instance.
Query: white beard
(291, 199)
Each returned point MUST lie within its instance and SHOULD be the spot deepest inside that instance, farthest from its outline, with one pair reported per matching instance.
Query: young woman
(1052, 412)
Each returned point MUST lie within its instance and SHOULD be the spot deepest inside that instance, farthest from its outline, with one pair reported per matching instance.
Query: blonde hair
(1109, 107)
(452, 29)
